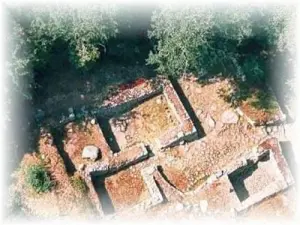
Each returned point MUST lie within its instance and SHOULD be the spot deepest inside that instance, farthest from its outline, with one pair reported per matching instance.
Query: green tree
(36, 30)
(208, 39)
(82, 28)
(196, 39)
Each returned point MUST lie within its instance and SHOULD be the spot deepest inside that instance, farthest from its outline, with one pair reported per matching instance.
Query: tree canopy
(207, 38)
(37, 30)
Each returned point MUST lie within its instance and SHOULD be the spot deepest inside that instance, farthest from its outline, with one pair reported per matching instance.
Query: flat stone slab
(90, 152)
(229, 117)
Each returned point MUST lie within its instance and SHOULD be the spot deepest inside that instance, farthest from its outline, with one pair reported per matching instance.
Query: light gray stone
(93, 121)
(229, 117)
(199, 112)
(90, 152)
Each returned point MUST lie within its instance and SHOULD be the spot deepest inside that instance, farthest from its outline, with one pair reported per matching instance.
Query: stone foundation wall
(274, 146)
(171, 193)
(118, 161)
(128, 104)
(92, 194)
(186, 131)
(283, 179)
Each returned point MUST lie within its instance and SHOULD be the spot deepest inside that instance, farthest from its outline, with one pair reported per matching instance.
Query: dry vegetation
(254, 110)
(146, 122)
(126, 189)
(62, 199)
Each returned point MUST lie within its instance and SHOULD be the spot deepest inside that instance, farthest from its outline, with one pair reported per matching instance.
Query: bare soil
(126, 189)
(145, 123)
(78, 136)
(63, 198)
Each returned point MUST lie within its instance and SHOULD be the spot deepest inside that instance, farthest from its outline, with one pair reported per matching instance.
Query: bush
(78, 183)
(38, 178)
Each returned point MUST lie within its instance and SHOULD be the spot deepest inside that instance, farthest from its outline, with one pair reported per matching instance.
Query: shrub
(38, 178)
(78, 183)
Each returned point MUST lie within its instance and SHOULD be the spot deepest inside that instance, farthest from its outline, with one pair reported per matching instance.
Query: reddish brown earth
(63, 198)
(78, 136)
(126, 189)
(146, 122)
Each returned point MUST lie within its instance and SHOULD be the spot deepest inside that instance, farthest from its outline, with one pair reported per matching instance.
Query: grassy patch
(78, 184)
(38, 178)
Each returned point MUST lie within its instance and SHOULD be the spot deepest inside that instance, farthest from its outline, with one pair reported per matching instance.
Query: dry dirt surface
(126, 189)
(144, 123)
(185, 166)
(78, 136)
(222, 144)
(206, 100)
(63, 199)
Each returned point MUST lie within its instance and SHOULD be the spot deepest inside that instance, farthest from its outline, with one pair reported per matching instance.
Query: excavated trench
(188, 107)
(105, 200)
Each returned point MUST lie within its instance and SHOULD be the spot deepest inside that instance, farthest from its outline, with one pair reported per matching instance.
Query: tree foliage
(205, 38)
(82, 28)
(36, 31)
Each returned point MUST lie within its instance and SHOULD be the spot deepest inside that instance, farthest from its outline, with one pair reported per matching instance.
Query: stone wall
(277, 163)
(120, 160)
(171, 193)
(117, 103)
(113, 164)
(186, 131)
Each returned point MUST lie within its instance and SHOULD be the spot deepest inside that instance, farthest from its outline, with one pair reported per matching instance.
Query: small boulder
(90, 152)
(229, 117)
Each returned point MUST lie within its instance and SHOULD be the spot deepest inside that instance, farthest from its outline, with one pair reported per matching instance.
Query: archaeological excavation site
(163, 148)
